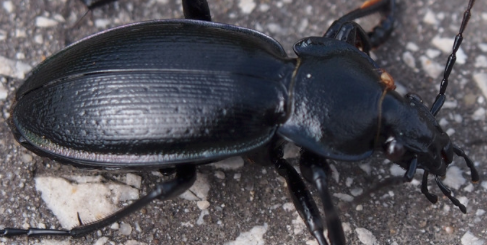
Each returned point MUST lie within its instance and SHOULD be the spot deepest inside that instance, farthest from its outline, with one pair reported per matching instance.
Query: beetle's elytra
(176, 94)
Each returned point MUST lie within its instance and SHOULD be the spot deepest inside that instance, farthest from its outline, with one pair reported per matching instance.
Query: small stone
(219, 174)
(202, 205)
(125, 229)
(45, 22)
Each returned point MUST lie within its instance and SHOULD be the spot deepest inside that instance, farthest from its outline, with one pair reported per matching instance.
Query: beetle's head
(413, 139)
(411, 131)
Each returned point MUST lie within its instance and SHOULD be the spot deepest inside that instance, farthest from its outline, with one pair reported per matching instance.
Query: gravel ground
(250, 204)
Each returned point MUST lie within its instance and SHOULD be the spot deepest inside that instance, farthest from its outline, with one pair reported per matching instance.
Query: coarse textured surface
(252, 201)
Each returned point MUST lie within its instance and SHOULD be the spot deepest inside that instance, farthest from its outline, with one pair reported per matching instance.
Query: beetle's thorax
(334, 108)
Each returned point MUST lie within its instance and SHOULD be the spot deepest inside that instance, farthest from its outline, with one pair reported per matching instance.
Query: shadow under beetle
(173, 94)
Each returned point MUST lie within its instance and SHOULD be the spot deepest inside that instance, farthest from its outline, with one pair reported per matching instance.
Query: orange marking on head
(368, 3)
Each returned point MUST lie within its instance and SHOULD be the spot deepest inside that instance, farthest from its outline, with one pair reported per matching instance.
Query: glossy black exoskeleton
(173, 94)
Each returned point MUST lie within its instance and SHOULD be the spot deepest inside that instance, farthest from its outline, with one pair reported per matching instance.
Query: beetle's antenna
(440, 98)
(80, 19)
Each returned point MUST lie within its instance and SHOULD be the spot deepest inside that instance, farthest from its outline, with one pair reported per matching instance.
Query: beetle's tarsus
(10, 232)
(424, 189)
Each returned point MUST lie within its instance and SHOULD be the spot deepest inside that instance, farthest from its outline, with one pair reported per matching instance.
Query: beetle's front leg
(302, 199)
(347, 30)
(315, 169)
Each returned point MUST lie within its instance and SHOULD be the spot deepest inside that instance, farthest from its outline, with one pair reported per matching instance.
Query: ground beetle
(174, 94)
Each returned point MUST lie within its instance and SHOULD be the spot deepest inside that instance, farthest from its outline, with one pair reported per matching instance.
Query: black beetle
(268, 92)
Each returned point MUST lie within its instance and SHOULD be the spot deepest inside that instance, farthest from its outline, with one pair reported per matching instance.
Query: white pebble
(232, 163)
(102, 23)
(133, 180)
(408, 58)
(396, 170)
(348, 181)
(202, 205)
(8, 6)
(356, 191)
(334, 173)
(291, 151)
(450, 131)
(115, 226)
(246, 6)
(199, 190)
(343, 197)
(254, 236)
(446, 45)
(479, 114)
(366, 236)
(481, 81)
(432, 68)
(430, 18)
(480, 61)
(483, 47)
(359, 207)
(289, 206)
(219, 174)
(101, 241)
(366, 168)
(125, 229)
(484, 184)
(468, 188)
(13, 68)
(432, 53)
(45, 22)
(470, 239)
(454, 178)
(412, 46)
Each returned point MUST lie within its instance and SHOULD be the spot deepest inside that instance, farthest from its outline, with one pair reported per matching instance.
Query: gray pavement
(250, 204)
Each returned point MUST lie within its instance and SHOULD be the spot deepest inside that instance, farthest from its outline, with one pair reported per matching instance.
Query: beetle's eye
(393, 149)
(415, 97)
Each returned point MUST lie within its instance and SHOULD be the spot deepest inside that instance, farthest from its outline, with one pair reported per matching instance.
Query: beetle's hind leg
(344, 27)
(196, 10)
(314, 167)
(185, 177)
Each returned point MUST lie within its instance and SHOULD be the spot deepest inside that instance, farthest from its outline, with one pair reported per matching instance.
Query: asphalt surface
(253, 198)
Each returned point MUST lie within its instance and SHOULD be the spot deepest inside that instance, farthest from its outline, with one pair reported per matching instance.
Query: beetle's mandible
(176, 94)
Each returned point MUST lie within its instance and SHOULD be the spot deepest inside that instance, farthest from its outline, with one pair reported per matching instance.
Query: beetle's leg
(381, 32)
(302, 199)
(93, 4)
(353, 34)
(440, 98)
(473, 171)
(314, 168)
(424, 189)
(447, 193)
(185, 177)
(196, 10)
